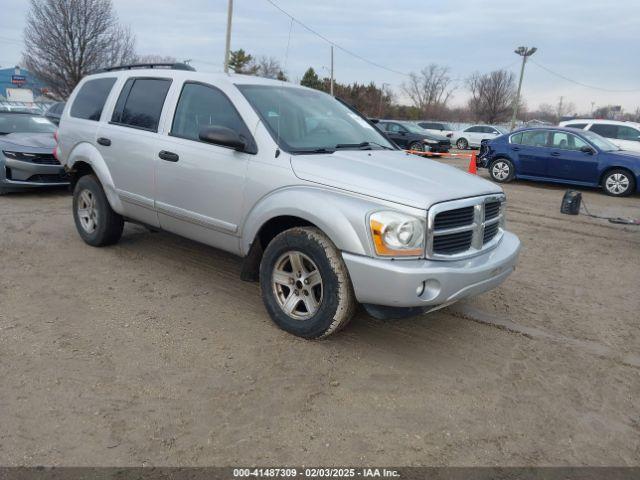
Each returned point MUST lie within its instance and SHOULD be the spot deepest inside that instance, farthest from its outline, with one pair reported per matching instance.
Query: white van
(625, 135)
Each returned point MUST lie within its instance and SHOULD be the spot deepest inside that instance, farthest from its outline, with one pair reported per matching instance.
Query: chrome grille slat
(464, 228)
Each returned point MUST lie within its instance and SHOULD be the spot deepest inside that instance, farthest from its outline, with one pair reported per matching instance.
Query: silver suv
(324, 209)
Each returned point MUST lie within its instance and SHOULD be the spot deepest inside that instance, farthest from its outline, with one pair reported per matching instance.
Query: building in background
(18, 85)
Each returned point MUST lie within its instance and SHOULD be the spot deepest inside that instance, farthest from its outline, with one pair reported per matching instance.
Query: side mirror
(222, 136)
(587, 149)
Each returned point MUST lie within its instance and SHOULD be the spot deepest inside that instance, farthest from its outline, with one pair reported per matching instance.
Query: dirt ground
(153, 352)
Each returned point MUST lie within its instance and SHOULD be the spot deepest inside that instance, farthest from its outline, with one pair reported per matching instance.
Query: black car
(54, 112)
(410, 136)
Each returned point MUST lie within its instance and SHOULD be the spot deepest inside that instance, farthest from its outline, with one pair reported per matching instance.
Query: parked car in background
(437, 128)
(564, 155)
(54, 112)
(625, 135)
(26, 159)
(471, 137)
(325, 210)
(410, 136)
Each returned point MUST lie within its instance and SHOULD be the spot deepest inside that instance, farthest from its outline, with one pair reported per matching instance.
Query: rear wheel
(305, 284)
(462, 144)
(95, 220)
(618, 183)
(502, 170)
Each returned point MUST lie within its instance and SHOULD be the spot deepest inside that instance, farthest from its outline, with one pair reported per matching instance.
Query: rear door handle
(515, 149)
(104, 141)
(555, 154)
(169, 156)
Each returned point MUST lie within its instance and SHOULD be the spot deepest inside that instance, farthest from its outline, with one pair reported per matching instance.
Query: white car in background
(625, 135)
(472, 136)
(438, 128)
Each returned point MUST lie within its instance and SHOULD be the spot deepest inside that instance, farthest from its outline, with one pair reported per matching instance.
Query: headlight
(396, 234)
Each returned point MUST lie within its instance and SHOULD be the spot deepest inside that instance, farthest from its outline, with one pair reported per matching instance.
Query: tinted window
(474, 130)
(202, 106)
(517, 138)
(430, 126)
(628, 133)
(535, 138)
(567, 141)
(605, 130)
(90, 99)
(140, 103)
(395, 128)
(576, 125)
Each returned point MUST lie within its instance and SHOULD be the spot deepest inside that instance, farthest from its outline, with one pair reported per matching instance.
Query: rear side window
(605, 130)
(517, 138)
(474, 130)
(628, 133)
(535, 138)
(140, 103)
(91, 98)
(202, 106)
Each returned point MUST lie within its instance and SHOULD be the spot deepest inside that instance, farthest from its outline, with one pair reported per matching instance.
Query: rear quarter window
(91, 98)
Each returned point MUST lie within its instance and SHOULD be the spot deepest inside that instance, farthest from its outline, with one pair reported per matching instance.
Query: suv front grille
(463, 228)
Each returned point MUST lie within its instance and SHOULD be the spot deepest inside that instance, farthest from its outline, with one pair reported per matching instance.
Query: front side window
(396, 128)
(430, 126)
(203, 106)
(628, 133)
(140, 103)
(605, 130)
(302, 120)
(474, 130)
(91, 98)
(517, 138)
(567, 141)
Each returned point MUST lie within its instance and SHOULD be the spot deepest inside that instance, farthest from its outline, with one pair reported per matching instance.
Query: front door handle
(555, 154)
(169, 156)
(515, 149)
(104, 141)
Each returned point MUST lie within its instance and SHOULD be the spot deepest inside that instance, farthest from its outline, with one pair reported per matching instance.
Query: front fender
(340, 215)
(85, 152)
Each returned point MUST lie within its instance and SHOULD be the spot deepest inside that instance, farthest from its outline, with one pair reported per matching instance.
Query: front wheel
(305, 284)
(462, 144)
(502, 170)
(417, 146)
(618, 183)
(96, 222)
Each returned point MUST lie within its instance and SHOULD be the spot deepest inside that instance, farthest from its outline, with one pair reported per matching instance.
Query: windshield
(303, 120)
(414, 128)
(502, 130)
(24, 123)
(600, 142)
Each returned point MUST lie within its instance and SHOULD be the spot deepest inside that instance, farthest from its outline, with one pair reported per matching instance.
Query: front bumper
(437, 148)
(429, 283)
(18, 174)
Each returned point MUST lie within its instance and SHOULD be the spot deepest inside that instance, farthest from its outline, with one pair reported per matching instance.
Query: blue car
(563, 155)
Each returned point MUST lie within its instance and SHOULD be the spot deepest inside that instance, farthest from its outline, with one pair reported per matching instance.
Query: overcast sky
(592, 41)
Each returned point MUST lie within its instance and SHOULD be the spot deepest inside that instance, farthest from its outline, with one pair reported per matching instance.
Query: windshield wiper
(362, 145)
(314, 150)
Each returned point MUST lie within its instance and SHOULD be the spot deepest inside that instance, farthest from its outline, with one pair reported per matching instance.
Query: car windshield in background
(24, 123)
(600, 142)
(502, 130)
(413, 128)
(305, 121)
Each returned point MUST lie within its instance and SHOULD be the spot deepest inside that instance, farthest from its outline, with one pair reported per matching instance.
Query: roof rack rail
(169, 66)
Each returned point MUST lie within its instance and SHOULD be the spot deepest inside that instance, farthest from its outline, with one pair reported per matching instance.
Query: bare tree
(430, 90)
(269, 67)
(67, 39)
(492, 95)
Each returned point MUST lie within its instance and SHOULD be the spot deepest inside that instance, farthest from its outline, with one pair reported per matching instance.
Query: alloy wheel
(500, 170)
(617, 183)
(87, 211)
(297, 285)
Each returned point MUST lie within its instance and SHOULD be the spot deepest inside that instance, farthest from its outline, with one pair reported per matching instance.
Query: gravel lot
(153, 352)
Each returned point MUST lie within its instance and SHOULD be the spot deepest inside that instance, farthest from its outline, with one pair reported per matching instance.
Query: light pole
(381, 96)
(332, 70)
(524, 52)
(227, 47)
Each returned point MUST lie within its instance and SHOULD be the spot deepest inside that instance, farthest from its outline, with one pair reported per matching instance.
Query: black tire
(614, 183)
(335, 300)
(462, 144)
(108, 224)
(417, 146)
(501, 170)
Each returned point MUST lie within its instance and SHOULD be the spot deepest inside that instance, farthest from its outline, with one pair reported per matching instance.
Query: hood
(626, 154)
(29, 140)
(391, 175)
